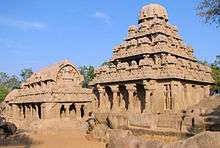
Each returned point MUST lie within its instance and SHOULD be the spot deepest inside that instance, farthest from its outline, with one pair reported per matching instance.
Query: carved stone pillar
(32, 111)
(149, 88)
(147, 96)
(35, 113)
(27, 111)
(67, 106)
(131, 88)
(15, 111)
(86, 111)
(43, 111)
(78, 110)
(122, 102)
(115, 91)
(20, 115)
(103, 102)
(174, 92)
(188, 90)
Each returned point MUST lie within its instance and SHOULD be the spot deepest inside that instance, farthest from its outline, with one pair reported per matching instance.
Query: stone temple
(152, 76)
(53, 92)
(150, 81)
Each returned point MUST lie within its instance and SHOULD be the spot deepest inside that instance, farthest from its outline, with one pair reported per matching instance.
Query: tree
(25, 74)
(210, 10)
(13, 83)
(3, 78)
(9, 82)
(216, 74)
(88, 74)
(217, 61)
(3, 93)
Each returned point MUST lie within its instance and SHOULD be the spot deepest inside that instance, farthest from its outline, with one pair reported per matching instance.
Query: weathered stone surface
(53, 92)
(202, 140)
(150, 83)
(153, 73)
(132, 142)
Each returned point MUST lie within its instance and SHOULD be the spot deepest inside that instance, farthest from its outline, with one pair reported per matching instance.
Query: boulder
(202, 140)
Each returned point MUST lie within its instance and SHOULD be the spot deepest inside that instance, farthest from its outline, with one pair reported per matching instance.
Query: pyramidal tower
(152, 71)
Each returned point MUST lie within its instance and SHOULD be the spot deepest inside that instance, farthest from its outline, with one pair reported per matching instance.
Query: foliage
(9, 82)
(202, 62)
(216, 73)
(210, 10)
(88, 74)
(25, 74)
(217, 61)
(3, 92)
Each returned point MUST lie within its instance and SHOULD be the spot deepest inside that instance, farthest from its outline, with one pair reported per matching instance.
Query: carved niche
(69, 75)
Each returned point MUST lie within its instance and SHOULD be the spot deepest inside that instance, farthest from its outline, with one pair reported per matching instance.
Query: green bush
(3, 93)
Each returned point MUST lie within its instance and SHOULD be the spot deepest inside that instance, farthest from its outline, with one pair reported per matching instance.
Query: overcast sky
(36, 33)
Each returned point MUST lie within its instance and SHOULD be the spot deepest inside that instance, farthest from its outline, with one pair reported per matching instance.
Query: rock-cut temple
(151, 79)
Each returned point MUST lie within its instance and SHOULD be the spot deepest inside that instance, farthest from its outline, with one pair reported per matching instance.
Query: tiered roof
(155, 44)
(60, 82)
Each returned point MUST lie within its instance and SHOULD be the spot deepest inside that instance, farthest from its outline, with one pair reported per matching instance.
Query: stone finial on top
(152, 10)
(132, 30)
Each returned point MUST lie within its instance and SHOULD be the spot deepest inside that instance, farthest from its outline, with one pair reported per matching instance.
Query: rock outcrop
(202, 140)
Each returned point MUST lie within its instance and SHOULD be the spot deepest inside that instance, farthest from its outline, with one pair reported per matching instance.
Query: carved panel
(68, 74)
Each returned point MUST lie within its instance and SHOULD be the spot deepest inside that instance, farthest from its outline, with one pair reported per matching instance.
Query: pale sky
(36, 33)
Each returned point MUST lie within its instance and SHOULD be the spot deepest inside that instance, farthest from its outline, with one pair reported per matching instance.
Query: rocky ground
(56, 134)
(201, 140)
(66, 133)
(61, 133)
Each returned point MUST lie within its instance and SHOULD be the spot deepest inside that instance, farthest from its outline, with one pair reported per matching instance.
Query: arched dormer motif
(69, 75)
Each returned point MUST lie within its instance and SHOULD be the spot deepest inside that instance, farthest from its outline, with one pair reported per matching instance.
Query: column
(35, 113)
(131, 88)
(20, 112)
(43, 111)
(147, 96)
(149, 86)
(67, 106)
(122, 102)
(78, 111)
(15, 111)
(103, 102)
(173, 97)
(85, 110)
(31, 112)
(27, 112)
(188, 90)
(115, 91)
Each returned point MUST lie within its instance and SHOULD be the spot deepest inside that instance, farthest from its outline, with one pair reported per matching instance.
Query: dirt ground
(61, 134)
(61, 140)
(64, 140)
(58, 134)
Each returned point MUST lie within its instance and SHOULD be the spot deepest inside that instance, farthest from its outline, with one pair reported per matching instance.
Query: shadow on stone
(18, 139)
